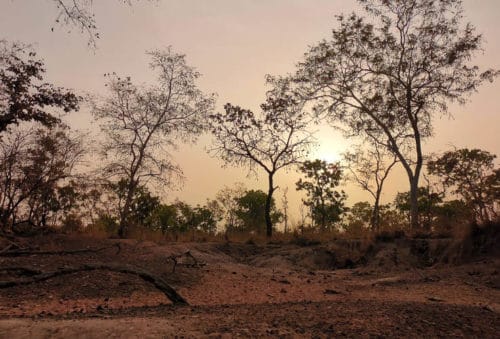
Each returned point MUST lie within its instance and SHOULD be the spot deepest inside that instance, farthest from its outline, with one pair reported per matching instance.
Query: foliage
(225, 205)
(389, 75)
(359, 215)
(428, 205)
(37, 182)
(181, 218)
(471, 175)
(23, 94)
(276, 139)
(326, 204)
(250, 212)
(105, 223)
(142, 124)
(453, 214)
(391, 219)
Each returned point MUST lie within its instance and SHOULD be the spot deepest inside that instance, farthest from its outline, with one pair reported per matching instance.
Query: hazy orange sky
(233, 43)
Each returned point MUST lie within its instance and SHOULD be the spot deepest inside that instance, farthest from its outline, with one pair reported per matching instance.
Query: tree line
(382, 78)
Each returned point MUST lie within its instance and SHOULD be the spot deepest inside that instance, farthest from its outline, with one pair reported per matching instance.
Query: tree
(226, 203)
(36, 185)
(143, 204)
(390, 75)
(428, 205)
(284, 205)
(251, 211)
(180, 217)
(273, 140)
(142, 123)
(79, 14)
(359, 218)
(369, 168)
(326, 204)
(470, 174)
(23, 94)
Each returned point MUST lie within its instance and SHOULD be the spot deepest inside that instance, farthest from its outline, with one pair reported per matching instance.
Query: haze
(233, 44)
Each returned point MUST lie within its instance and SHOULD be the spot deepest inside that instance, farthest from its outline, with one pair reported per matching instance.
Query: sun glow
(328, 156)
(330, 146)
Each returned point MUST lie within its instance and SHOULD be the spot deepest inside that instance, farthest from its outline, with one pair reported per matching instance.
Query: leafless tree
(141, 124)
(369, 165)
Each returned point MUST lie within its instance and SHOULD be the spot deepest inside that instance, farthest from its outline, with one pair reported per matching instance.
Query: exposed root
(6, 252)
(159, 283)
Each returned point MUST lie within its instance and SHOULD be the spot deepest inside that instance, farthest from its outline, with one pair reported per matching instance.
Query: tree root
(38, 276)
(18, 253)
(22, 271)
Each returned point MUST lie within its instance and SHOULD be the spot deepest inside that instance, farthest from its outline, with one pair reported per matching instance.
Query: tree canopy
(278, 138)
(142, 124)
(23, 94)
(391, 72)
(325, 202)
(470, 174)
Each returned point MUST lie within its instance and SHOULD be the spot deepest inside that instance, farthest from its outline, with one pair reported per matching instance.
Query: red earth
(274, 290)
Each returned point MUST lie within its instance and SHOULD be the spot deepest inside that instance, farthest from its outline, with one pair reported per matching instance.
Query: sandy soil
(247, 290)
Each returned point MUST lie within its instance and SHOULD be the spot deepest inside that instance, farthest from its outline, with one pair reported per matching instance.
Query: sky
(234, 44)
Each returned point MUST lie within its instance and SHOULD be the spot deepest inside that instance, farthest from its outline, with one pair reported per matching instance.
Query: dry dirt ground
(391, 289)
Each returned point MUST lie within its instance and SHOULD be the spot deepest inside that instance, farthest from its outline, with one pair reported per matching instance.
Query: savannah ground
(397, 287)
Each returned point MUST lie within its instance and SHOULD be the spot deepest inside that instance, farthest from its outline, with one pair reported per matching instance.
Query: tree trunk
(414, 222)
(269, 222)
(125, 213)
(375, 218)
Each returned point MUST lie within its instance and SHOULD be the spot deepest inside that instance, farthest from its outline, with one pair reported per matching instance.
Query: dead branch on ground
(175, 259)
(159, 283)
(18, 253)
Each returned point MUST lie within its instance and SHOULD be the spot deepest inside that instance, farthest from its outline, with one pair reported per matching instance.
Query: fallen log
(20, 253)
(159, 283)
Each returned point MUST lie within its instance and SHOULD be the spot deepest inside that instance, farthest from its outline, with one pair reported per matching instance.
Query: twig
(188, 254)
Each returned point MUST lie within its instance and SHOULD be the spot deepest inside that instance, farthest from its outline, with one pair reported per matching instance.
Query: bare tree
(79, 14)
(393, 73)
(369, 166)
(276, 139)
(142, 124)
